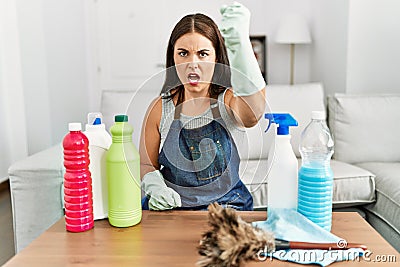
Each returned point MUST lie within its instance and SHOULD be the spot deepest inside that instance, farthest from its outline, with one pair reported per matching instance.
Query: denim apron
(202, 164)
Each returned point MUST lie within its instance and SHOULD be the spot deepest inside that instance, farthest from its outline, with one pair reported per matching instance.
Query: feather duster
(231, 241)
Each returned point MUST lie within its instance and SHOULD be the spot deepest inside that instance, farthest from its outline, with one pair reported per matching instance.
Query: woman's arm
(247, 110)
(150, 138)
(247, 101)
(160, 196)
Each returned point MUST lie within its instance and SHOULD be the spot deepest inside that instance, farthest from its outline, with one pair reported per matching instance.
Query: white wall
(265, 16)
(329, 25)
(64, 27)
(34, 74)
(373, 62)
(354, 49)
(13, 132)
(128, 53)
(266, 21)
(52, 41)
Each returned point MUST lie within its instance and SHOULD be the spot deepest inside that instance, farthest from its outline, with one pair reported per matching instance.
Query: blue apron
(202, 164)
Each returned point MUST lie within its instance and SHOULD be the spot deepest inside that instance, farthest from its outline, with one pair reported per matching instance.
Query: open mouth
(193, 78)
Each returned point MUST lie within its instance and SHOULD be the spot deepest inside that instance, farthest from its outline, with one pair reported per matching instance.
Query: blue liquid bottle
(315, 174)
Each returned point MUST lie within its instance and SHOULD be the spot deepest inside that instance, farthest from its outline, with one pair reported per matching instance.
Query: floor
(6, 228)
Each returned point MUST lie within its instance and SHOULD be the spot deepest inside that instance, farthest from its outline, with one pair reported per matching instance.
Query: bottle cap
(318, 115)
(74, 126)
(121, 118)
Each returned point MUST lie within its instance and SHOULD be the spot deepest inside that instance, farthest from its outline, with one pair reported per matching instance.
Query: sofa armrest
(35, 185)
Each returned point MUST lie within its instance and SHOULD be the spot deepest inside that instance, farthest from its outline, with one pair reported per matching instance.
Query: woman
(188, 157)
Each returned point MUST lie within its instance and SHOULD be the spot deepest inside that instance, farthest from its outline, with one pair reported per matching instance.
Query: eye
(203, 54)
(182, 53)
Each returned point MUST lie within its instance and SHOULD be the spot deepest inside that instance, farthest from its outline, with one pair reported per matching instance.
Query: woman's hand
(160, 196)
(235, 24)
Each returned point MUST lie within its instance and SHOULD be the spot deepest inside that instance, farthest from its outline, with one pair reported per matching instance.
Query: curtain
(13, 133)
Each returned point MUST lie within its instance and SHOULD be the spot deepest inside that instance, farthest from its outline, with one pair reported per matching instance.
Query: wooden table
(171, 238)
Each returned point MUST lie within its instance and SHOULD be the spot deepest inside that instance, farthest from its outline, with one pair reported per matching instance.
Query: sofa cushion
(364, 127)
(253, 174)
(387, 205)
(299, 100)
(352, 185)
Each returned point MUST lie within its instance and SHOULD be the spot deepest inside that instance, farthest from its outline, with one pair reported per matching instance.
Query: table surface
(170, 238)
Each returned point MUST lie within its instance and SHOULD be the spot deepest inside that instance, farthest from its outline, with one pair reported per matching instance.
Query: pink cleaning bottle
(78, 196)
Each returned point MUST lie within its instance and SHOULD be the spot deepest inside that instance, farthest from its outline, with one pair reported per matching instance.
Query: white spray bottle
(99, 142)
(282, 165)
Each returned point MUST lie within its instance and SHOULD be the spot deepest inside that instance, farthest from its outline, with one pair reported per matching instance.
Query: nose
(194, 62)
(193, 65)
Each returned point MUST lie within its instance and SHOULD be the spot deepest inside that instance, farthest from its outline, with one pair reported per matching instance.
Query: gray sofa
(366, 162)
(365, 130)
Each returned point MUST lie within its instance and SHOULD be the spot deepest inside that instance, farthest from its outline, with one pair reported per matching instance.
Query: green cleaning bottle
(123, 176)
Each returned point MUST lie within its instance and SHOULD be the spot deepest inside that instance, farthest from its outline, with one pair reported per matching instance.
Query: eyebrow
(201, 50)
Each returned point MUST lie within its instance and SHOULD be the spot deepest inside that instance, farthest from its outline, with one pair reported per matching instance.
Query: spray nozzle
(283, 120)
(95, 118)
(97, 121)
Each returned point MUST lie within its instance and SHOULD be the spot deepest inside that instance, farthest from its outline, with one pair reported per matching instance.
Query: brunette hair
(205, 26)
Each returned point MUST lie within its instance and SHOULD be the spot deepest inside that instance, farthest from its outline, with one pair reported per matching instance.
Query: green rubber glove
(246, 74)
(160, 196)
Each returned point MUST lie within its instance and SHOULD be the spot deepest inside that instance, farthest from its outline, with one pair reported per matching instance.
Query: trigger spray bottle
(282, 165)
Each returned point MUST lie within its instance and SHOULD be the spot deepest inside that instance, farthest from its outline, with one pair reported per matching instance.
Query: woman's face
(194, 57)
